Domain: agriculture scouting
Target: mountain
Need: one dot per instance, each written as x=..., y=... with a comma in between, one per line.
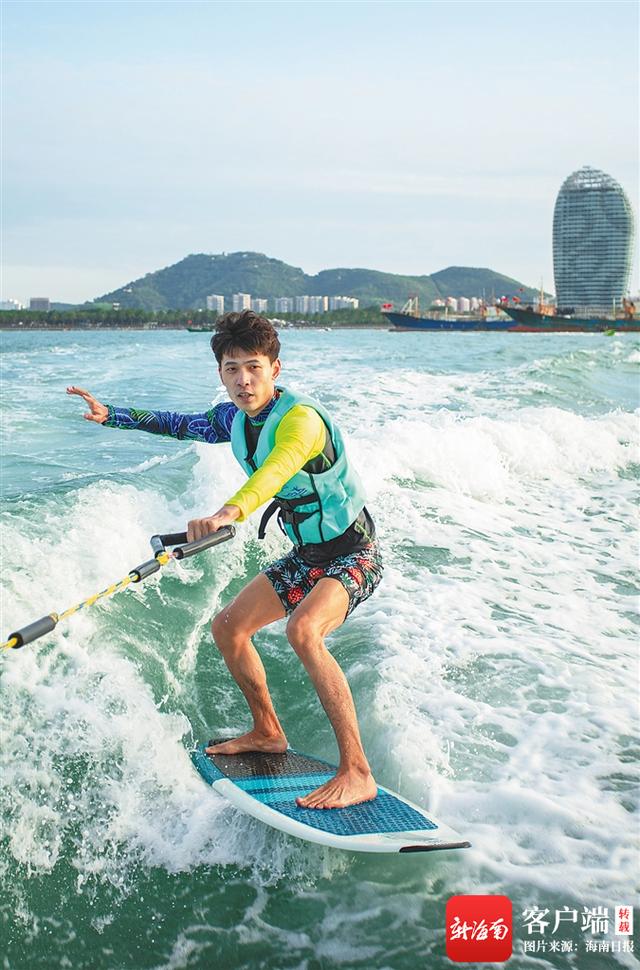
x=188, y=283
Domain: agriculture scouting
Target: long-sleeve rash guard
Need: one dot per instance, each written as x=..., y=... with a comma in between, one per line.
x=300, y=437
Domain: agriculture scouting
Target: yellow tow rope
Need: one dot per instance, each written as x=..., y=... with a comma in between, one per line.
x=133, y=577
x=47, y=623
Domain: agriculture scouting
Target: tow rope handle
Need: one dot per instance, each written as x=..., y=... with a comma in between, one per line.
x=159, y=543
x=183, y=549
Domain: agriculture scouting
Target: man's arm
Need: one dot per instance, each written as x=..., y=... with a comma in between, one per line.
x=300, y=436
x=213, y=426
x=208, y=426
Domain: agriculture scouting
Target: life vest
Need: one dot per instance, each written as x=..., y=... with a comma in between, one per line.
x=313, y=506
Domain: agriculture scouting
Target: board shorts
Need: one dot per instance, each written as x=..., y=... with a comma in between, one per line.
x=359, y=573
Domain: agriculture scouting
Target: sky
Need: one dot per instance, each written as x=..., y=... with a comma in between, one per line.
x=398, y=136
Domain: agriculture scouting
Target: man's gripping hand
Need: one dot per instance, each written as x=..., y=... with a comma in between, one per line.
x=199, y=528
x=97, y=412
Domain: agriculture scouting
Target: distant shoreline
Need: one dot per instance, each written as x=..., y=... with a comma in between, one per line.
x=106, y=318
x=141, y=327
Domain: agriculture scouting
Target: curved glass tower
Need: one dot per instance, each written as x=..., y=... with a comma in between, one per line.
x=592, y=241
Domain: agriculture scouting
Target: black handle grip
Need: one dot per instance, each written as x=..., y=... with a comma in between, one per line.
x=158, y=543
x=213, y=539
x=145, y=569
x=33, y=631
x=183, y=549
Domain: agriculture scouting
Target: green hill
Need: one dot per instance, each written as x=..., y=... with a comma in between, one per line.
x=372, y=286
x=474, y=281
x=188, y=283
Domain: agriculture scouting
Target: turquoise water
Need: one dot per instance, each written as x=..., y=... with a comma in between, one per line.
x=494, y=670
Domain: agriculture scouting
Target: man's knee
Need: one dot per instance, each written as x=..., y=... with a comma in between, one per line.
x=224, y=631
x=303, y=634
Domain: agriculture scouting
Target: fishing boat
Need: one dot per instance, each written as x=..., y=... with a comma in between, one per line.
x=512, y=318
x=550, y=319
x=409, y=318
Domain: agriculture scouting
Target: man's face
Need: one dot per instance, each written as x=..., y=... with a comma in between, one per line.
x=249, y=379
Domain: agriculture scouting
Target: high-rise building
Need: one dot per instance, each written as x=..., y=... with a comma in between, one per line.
x=215, y=302
x=284, y=304
x=241, y=301
x=10, y=305
x=343, y=303
x=40, y=303
x=259, y=305
x=318, y=304
x=592, y=241
x=302, y=304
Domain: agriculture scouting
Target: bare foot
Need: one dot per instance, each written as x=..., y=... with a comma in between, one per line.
x=251, y=741
x=345, y=788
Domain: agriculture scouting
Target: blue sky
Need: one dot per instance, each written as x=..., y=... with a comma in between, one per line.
x=399, y=136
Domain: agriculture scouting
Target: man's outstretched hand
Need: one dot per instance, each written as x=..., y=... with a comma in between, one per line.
x=97, y=412
x=199, y=528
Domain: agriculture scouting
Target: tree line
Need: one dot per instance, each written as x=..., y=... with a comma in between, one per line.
x=110, y=318
x=89, y=317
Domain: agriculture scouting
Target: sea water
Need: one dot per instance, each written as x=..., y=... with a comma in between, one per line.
x=494, y=670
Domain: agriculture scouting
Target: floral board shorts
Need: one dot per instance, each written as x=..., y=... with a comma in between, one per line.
x=359, y=572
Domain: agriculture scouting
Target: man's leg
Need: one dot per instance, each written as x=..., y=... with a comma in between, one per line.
x=254, y=607
x=322, y=611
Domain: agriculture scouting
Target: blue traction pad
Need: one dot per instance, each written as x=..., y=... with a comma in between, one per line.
x=385, y=813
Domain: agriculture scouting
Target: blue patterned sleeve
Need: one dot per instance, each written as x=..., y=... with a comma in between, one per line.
x=213, y=426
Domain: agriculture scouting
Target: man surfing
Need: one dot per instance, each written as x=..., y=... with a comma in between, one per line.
x=293, y=453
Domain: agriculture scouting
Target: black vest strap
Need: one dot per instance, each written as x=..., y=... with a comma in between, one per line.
x=286, y=509
x=270, y=510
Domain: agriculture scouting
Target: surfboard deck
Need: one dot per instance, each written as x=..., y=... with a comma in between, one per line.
x=266, y=785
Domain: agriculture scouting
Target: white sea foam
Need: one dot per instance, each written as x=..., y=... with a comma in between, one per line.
x=90, y=724
x=506, y=666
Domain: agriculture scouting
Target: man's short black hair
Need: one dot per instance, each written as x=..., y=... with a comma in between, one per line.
x=245, y=331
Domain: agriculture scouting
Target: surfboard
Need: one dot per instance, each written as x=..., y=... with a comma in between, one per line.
x=266, y=785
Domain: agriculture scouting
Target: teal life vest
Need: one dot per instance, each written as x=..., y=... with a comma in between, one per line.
x=313, y=506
